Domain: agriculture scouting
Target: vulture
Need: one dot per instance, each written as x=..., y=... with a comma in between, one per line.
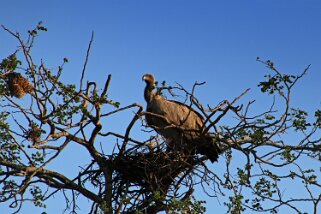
x=180, y=125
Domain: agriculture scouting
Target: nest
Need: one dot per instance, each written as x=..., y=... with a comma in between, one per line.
x=18, y=85
x=33, y=134
x=155, y=171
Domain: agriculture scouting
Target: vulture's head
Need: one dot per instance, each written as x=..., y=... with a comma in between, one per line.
x=149, y=79
x=150, y=85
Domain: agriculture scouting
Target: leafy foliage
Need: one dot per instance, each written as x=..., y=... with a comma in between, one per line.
x=129, y=175
x=10, y=63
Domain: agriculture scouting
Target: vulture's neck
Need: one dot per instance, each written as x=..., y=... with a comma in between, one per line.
x=148, y=93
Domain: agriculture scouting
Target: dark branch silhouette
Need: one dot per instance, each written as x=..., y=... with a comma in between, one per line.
x=41, y=116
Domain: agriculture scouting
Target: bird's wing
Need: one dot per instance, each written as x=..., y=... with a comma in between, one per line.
x=179, y=114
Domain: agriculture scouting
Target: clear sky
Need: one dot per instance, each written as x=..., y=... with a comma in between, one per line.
x=178, y=41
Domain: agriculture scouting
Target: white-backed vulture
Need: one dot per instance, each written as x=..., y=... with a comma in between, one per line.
x=178, y=123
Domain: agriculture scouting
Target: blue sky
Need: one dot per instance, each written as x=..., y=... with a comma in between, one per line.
x=178, y=41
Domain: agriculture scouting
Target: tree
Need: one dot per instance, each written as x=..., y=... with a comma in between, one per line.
x=41, y=116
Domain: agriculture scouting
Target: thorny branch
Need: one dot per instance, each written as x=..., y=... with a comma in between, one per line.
x=126, y=173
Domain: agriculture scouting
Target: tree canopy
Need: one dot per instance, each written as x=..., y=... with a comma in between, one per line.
x=262, y=152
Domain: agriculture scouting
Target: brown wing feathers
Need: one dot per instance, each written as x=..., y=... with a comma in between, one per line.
x=179, y=124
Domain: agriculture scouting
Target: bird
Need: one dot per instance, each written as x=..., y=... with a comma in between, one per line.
x=180, y=125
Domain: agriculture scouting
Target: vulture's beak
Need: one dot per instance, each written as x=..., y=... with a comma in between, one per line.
x=144, y=78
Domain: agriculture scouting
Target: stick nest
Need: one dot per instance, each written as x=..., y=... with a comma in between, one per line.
x=154, y=170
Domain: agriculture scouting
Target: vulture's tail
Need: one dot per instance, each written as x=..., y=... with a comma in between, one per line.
x=209, y=148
